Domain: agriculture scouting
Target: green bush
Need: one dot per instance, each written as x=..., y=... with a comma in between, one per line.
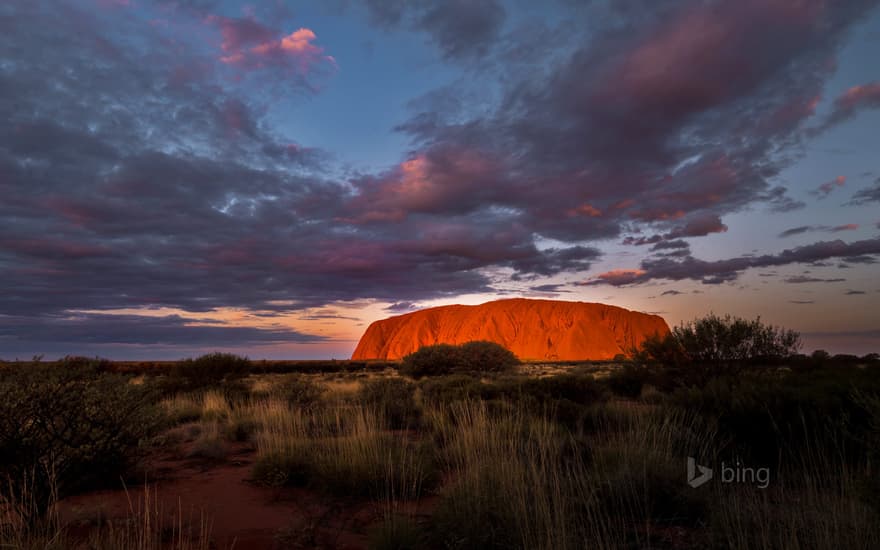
x=470, y=357
x=70, y=427
x=394, y=399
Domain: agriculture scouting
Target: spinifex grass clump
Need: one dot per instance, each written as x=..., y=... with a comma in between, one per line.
x=144, y=527
x=523, y=481
x=346, y=452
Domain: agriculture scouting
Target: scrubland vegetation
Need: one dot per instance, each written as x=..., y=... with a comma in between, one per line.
x=459, y=447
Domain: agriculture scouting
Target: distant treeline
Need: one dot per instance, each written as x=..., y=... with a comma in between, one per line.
x=257, y=366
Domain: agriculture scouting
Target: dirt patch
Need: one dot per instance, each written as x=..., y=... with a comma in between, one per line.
x=240, y=514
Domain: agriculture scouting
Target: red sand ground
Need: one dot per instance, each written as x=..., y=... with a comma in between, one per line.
x=242, y=515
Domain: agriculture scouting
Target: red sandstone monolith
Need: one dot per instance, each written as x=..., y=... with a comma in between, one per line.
x=548, y=330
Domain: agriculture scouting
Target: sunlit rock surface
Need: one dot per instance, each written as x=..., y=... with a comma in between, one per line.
x=532, y=329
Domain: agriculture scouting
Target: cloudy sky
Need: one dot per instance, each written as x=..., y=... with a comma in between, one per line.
x=180, y=176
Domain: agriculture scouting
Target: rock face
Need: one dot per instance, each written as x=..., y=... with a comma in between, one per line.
x=532, y=329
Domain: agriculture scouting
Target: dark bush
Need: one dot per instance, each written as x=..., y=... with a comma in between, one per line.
x=582, y=389
x=719, y=341
x=628, y=381
x=483, y=356
x=394, y=398
x=300, y=391
x=470, y=357
x=665, y=350
x=563, y=397
x=771, y=418
x=205, y=371
x=436, y=360
x=448, y=389
x=70, y=427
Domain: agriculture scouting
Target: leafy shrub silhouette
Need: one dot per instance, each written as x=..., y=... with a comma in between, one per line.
x=69, y=427
x=483, y=356
x=470, y=357
x=718, y=344
x=769, y=418
x=205, y=371
x=628, y=380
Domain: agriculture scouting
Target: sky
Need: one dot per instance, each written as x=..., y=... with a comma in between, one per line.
x=267, y=178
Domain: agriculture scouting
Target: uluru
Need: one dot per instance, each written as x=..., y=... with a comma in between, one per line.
x=551, y=330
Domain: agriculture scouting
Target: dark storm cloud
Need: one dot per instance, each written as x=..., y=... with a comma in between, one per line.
x=665, y=245
x=867, y=195
x=401, y=307
x=722, y=271
x=135, y=173
x=801, y=279
x=813, y=228
x=549, y=288
x=796, y=230
x=855, y=99
x=670, y=293
x=136, y=329
x=600, y=141
x=461, y=29
x=699, y=226
x=826, y=188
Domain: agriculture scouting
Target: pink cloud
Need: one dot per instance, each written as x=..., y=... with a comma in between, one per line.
x=845, y=227
x=250, y=45
x=865, y=96
x=585, y=210
x=240, y=33
x=440, y=181
x=706, y=55
x=826, y=188
x=858, y=96
x=616, y=277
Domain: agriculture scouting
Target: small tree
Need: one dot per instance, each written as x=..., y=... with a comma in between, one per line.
x=717, y=341
x=714, y=341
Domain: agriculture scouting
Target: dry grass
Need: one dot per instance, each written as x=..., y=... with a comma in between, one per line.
x=146, y=527
x=513, y=477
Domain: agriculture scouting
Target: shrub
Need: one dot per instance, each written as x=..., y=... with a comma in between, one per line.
x=582, y=389
x=771, y=419
x=666, y=350
x=299, y=390
x=205, y=371
x=73, y=426
x=448, y=389
x=483, y=356
x=714, y=340
x=628, y=381
x=470, y=357
x=435, y=360
x=393, y=398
